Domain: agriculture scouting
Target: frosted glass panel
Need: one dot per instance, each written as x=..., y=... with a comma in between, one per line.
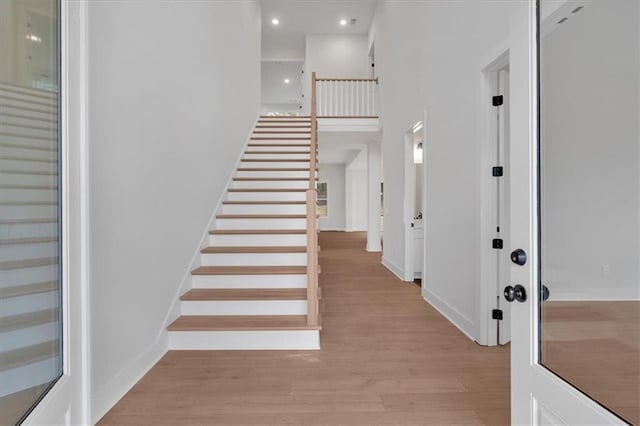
x=30, y=292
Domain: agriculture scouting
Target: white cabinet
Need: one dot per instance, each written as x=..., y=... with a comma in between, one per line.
x=418, y=247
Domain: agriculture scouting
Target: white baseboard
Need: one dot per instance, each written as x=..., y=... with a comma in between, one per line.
x=330, y=229
x=108, y=395
x=245, y=340
x=397, y=271
x=463, y=323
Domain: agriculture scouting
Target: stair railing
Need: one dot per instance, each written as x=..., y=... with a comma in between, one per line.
x=312, y=219
x=346, y=97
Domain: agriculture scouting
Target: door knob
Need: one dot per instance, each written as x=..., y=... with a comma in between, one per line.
x=517, y=292
x=519, y=257
x=544, y=293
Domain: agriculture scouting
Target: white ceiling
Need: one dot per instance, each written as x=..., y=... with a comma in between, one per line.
x=301, y=17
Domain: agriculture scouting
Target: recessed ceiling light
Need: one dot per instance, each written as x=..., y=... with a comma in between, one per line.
x=343, y=22
x=275, y=21
x=287, y=81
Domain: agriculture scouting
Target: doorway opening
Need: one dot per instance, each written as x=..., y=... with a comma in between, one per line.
x=414, y=207
x=495, y=311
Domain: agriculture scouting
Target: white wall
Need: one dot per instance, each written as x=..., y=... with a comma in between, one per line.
x=174, y=93
x=356, y=198
x=334, y=175
x=429, y=56
x=590, y=164
x=276, y=94
x=339, y=56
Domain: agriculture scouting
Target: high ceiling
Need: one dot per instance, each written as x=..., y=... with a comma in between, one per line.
x=286, y=41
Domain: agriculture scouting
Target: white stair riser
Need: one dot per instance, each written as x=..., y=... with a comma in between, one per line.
x=12, y=129
x=278, y=156
x=248, y=281
x=27, y=251
x=29, y=230
x=270, y=184
x=26, y=165
x=24, y=337
x=27, y=212
x=275, y=165
x=28, y=376
x=276, y=173
x=26, y=153
x=25, y=179
x=281, y=141
x=253, y=259
x=28, y=304
x=266, y=196
x=8, y=195
x=245, y=340
x=36, y=274
x=306, y=149
x=264, y=209
x=257, y=240
x=261, y=223
x=14, y=100
x=252, y=307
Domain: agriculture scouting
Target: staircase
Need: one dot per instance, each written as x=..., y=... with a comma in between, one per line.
x=29, y=273
x=251, y=290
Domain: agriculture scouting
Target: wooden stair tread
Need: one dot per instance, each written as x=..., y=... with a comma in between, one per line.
x=281, y=145
x=31, y=319
x=19, y=241
x=276, y=138
x=255, y=249
x=306, y=126
x=283, y=169
x=302, y=130
x=202, y=294
x=240, y=323
x=267, y=189
x=28, y=289
x=265, y=202
x=277, y=152
x=271, y=179
x=29, y=355
x=261, y=216
x=28, y=263
x=258, y=232
x=275, y=160
x=250, y=270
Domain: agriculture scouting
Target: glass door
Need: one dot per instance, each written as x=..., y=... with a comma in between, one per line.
x=589, y=202
x=30, y=205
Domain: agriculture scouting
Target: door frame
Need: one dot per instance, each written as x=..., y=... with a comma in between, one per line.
x=537, y=395
x=409, y=198
x=496, y=61
x=68, y=402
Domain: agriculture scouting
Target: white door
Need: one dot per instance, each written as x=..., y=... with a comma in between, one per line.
x=575, y=359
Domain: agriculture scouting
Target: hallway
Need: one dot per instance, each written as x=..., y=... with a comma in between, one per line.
x=387, y=358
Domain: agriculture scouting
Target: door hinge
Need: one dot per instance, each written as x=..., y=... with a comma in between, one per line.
x=496, y=314
x=498, y=243
x=498, y=100
x=497, y=171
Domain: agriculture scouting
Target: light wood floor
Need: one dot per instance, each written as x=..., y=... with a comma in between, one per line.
x=387, y=358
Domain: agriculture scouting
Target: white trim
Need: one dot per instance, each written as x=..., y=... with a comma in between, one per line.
x=397, y=271
x=68, y=402
x=464, y=324
x=331, y=228
x=498, y=59
x=107, y=396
